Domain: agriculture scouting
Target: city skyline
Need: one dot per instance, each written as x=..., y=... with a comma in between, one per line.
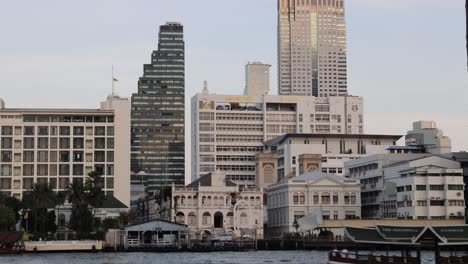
x=404, y=71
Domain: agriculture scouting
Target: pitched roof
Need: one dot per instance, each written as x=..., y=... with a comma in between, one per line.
x=282, y=138
x=110, y=201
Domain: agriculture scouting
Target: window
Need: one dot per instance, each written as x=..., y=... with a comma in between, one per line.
x=43, y=131
x=295, y=198
x=42, y=170
x=5, y=170
x=100, y=131
x=77, y=156
x=316, y=198
x=99, y=156
x=64, y=170
x=6, y=156
x=7, y=143
x=110, y=130
x=99, y=143
x=28, y=170
x=64, y=156
x=64, y=130
x=64, y=143
x=42, y=156
x=325, y=198
x=110, y=156
x=78, y=143
x=28, y=143
x=110, y=183
x=78, y=169
x=42, y=143
x=110, y=143
x=452, y=187
x=335, y=198
x=28, y=130
x=110, y=169
x=436, y=187
x=28, y=156
x=420, y=187
x=78, y=131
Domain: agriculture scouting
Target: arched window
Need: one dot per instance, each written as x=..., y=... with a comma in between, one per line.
x=230, y=219
x=295, y=198
x=252, y=201
x=243, y=219
x=258, y=201
x=218, y=220
x=316, y=198
x=325, y=198
x=215, y=201
x=210, y=201
x=206, y=219
x=347, y=198
x=192, y=219
x=335, y=198
x=180, y=218
x=189, y=201
x=182, y=200
x=301, y=198
x=203, y=200
x=176, y=200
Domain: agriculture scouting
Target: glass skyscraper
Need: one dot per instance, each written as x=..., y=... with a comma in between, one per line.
x=312, y=48
x=158, y=140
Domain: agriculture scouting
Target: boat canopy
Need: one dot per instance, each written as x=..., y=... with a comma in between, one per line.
x=409, y=235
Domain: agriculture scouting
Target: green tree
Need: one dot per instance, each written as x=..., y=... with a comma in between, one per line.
x=127, y=218
x=41, y=198
x=13, y=203
x=7, y=218
x=84, y=199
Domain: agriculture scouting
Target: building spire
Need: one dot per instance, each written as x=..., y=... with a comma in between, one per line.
x=205, y=87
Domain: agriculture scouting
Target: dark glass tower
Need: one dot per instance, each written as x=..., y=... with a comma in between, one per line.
x=158, y=140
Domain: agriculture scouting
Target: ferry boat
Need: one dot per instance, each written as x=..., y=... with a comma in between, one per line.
x=11, y=242
x=343, y=257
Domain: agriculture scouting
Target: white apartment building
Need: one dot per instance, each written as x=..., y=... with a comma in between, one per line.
x=312, y=48
x=213, y=206
x=332, y=150
x=409, y=186
x=61, y=146
x=257, y=79
x=228, y=131
x=332, y=196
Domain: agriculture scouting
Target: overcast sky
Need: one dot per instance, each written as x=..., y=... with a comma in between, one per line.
x=405, y=57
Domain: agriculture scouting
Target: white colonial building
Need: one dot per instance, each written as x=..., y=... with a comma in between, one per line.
x=328, y=195
x=213, y=206
x=409, y=186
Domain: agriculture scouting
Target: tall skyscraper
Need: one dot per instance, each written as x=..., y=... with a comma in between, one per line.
x=158, y=140
x=257, y=79
x=312, y=48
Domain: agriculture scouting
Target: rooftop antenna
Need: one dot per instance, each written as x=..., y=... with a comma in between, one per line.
x=205, y=87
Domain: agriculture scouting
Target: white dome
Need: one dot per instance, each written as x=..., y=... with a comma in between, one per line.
x=2, y=104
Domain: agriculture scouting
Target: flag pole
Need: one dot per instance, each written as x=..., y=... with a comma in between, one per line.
x=112, y=80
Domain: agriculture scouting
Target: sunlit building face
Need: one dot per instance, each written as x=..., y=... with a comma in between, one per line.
x=312, y=48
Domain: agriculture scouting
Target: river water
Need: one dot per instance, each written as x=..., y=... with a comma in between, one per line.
x=309, y=257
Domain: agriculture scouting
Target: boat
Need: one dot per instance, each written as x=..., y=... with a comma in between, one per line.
x=11, y=242
x=344, y=257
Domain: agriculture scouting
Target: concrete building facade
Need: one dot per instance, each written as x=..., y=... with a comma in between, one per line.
x=312, y=48
x=213, y=206
x=409, y=186
x=228, y=131
x=327, y=195
x=61, y=146
x=300, y=153
x=426, y=136
x=257, y=79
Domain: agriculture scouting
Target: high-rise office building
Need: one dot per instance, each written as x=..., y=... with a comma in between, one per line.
x=229, y=130
x=158, y=139
x=257, y=79
x=312, y=48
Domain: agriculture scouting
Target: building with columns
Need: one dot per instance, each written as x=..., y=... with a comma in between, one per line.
x=213, y=206
x=328, y=195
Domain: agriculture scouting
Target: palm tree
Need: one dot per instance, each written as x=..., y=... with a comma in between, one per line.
x=41, y=197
